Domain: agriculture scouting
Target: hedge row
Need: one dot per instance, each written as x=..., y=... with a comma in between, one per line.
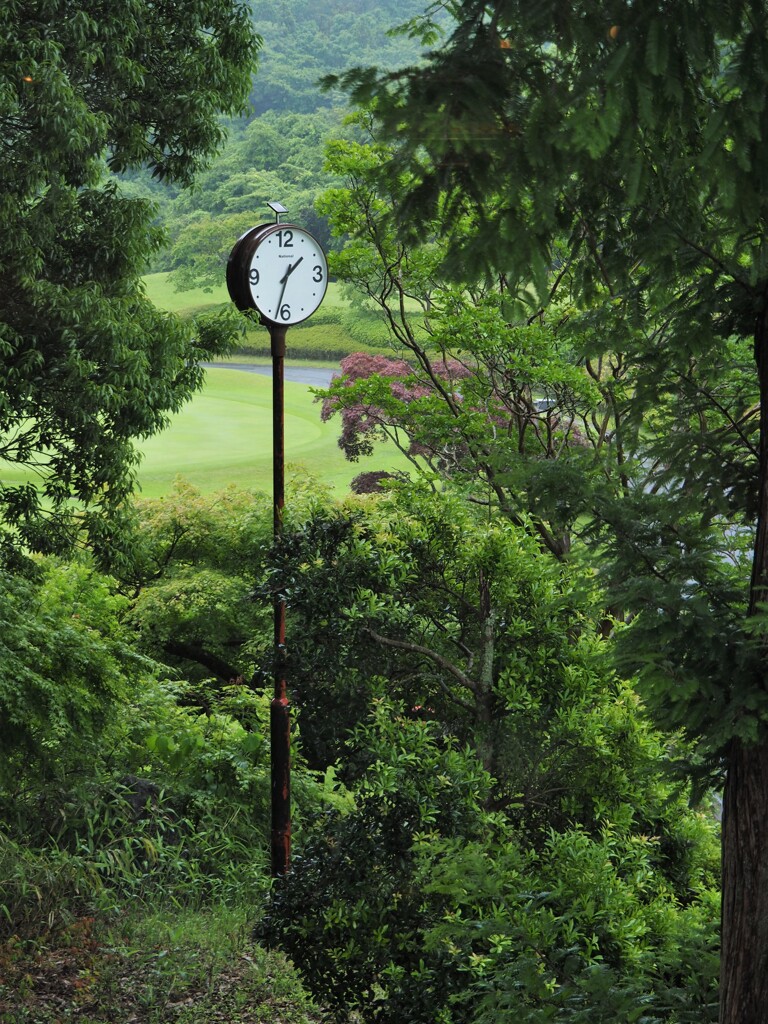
x=330, y=335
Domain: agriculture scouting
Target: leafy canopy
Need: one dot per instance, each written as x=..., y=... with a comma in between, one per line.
x=86, y=363
x=606, y=163
x=559, y=124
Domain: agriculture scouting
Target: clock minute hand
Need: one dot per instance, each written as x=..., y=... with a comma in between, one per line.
x=284, y=281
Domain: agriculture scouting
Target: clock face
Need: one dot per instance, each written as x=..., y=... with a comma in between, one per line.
x=286, y=273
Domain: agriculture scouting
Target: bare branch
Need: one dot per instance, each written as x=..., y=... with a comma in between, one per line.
x=437, y=659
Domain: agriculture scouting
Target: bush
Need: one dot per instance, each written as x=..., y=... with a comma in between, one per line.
x=586, y=930
x=113, y=782
x=41, y=890
x=420, y=905
x=352, y=914
x=172, y=806
x=65, y=664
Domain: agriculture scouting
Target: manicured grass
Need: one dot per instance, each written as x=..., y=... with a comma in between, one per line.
x=162, y=293
x=224, y=436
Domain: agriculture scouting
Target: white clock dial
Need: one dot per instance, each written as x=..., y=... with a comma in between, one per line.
x=287, y=274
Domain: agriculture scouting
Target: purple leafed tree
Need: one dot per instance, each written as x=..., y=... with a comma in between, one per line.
x=378, y=412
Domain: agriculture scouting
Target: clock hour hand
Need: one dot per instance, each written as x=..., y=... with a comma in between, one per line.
x=290, y=270
x=284, y=281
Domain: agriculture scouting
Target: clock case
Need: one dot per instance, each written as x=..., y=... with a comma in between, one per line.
x=239, y=265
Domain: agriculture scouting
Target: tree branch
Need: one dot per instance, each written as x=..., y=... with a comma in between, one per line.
x=198, y=654
x=437, y=659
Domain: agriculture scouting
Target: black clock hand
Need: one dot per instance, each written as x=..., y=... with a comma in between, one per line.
x=284, y=281
x=290, y=270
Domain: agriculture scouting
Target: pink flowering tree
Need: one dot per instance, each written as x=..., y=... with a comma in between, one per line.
x=384, y=398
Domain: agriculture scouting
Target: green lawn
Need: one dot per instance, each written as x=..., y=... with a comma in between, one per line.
x=224, y=436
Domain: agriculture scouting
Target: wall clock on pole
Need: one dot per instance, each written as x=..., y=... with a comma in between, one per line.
x=279, y=270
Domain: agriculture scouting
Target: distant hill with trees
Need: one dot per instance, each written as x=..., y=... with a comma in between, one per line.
x=305, y=40
x=276, y=149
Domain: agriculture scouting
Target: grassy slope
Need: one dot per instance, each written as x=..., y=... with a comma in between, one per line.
x=225, y=436
x=160, y=290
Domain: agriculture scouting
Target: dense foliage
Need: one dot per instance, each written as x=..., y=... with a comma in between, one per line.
x=87, y=364
x=118, y=779
x=111, y=784
x=571, y=878
x=616, y=158
x=421, y=903
x=194, y=562
x=486, y=821
x=514, y=837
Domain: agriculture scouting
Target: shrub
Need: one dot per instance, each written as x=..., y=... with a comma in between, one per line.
x=113, y=782
x=171, y=806
x=65, y=664
x=352, y=914
x=420, y=905
x=41, y=890
x=372, y=482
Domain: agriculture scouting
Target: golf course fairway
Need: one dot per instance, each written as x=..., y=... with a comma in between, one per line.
x=224, y=436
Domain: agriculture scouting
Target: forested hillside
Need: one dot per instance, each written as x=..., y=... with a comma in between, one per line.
x=304, y=41
x=277, y=149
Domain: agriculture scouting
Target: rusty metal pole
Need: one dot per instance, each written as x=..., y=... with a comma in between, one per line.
x=280, y=720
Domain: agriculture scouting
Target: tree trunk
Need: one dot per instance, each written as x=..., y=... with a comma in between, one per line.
x=744, y=918
x=484, y=693
x=744, y=965
x=758, y=592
